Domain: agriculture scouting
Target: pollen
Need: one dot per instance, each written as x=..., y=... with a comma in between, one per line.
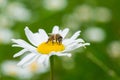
x=46, y=48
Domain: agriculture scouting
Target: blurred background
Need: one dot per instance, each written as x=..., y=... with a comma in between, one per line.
x=99, y=21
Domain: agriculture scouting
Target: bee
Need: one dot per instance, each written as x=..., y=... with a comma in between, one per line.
x=55, y=38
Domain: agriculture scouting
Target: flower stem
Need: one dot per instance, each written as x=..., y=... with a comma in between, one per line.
x=51, y=67
x=108, y=70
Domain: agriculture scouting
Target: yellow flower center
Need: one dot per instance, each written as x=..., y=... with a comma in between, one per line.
x=46, y=48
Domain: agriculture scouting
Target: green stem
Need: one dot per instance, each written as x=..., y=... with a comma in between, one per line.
x=103, y=66
x=51, y=67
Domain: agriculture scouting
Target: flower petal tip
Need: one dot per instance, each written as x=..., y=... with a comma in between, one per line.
x=87, y=43
x=14, y=56
x=56, y=26
x=13, y=45
x=13, y=40
x=79, y=31
x=26, y=28
x=69, y=55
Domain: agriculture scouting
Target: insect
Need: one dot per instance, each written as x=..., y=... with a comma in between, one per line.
x=55, y=38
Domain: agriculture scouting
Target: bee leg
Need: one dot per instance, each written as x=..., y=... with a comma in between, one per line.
x=52, y=41
x=48, y=40
x=56, y=41
x=59, y=42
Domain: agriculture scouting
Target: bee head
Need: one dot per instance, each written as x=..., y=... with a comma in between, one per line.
x=60, y=39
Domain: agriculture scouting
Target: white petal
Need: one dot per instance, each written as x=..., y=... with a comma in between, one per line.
x=26, y=59
x=67, y=42
x=79, y=40
x=38, y=38
x=20, y=53
x=42, y=58
x=23, y=44
x=55, y=30
x=71, y=46
x=32, y=60
x=43, y=35
x=60, y=32
x=75, y=47
x=82, y=45
x=64, y=54
x=31, y=37
x=64, y=32
x=46, y=62
x=75, y=35
x=16, y=45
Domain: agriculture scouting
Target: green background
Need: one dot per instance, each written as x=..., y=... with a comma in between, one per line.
x=93, y=63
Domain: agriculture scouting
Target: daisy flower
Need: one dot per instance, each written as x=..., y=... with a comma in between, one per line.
x=9, y=68
x=43, y=46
